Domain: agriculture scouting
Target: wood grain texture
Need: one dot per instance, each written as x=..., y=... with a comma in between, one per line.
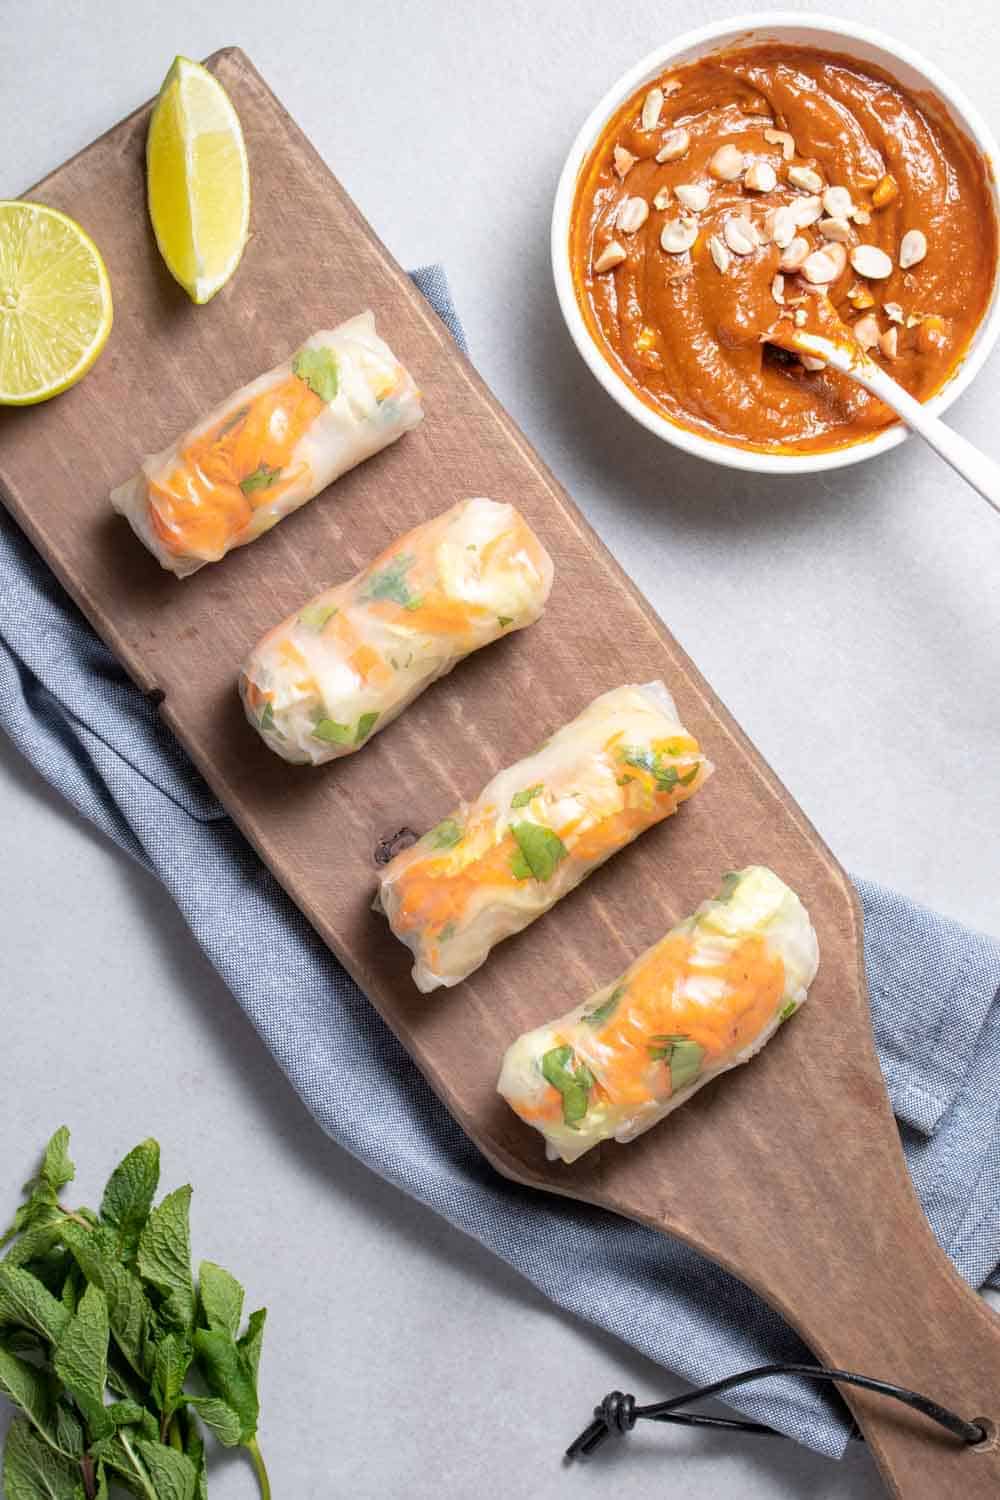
x=802, y=1190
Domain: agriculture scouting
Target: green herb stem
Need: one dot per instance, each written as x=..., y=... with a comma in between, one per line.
x=260, y=1469
x=137, y=1464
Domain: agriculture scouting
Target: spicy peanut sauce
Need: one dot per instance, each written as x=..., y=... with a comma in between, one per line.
x=686, y=331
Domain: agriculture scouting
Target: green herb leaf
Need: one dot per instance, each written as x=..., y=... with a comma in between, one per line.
x=250, y=1343
x=129, y=1196
x=366, y=724
x=28, y=1387
x=446, y=834
x=171, y=1360
x=574, y=1087
x=129, y=1309
x=317, y=616
x=126, y=1413
x=34, y=1471
x=606, y=1011
x=685, y=1064
x=195, y=1450
x=220, y=1418
x=67, y=1430
x=542, y=849
x=228, y=1375
x=504, y=620
x=521, y=799
x=333, y=733
x=221, y=1298
x=519, y=866
x=447, y=931
x=390, y=582
x=26, y=1303
x=266, y=720
x=788, y=1010
x=667, y=776
x=165, y=1258
x=262, y=478
x=102, y=1492
x=318, y=368
x=81, y=1360
x=173, y=1474
x=35, y=1241
x=43, y=1189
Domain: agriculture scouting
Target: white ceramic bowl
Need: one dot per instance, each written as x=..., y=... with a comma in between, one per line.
x=807, y=30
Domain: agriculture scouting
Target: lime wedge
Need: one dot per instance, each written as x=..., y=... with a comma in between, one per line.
x=55, y=303
x=198, y=180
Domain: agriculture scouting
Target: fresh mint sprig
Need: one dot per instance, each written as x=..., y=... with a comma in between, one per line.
x=101, y=1324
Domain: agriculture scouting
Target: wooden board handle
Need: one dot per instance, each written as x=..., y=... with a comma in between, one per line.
x=905, y=1315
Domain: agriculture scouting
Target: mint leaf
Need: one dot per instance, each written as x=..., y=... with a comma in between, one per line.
x=195, y=1450
x=26, y=1303
x=606, y=1011
x=666, y=776
x=67, y=1430
x=102, y=1492
x=250, y=1343
x=575, y=1086
x=221, y=1298
x=129, y=1309
x=266, y=720
x=126, y=1413
x=366, y=724
x=519, y=865
x=35, y=1241
x=165, y=1257
x=390, y=582
x=173, y=1474
x=228, y=1375
x=521, y=799
x=129, y=1196
x=81, y=1360
x=43, y=1189
x=171, y=1360
x=220, y=1418
x=788, y=1010
x=34, y=1471
x=56, y=1169
x=316, y=616
x=445, y=835
x=318, y=368
x=27, y=1386
x=541, y=848
x=504, y=620
x=262, y=478
x=683, y=1057
x=333, y=733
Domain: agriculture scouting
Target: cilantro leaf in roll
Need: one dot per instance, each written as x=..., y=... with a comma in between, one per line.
x=339, y=669
x=537, y=829
x=702, y=1000
x=271, y=447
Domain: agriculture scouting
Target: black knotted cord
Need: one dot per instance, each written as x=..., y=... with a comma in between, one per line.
x=618, y=1412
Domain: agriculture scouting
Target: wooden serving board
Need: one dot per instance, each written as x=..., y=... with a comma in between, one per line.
x=789, y=1172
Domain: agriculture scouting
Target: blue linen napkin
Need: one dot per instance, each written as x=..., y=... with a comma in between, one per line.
x=72, y=711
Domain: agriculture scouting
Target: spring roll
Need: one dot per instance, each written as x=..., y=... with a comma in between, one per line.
x=271, y=447
x=341, y=668
x=538, y=829
x=702, y=1000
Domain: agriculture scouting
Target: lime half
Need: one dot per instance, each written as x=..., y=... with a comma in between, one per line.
x=55, y=303
x=198, y=180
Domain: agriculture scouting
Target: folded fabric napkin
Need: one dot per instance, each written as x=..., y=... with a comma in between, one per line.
x=69, y=707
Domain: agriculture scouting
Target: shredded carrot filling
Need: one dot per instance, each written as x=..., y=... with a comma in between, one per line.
x=227, y=473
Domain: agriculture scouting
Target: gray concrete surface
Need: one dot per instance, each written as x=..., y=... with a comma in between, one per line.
x=851, y=624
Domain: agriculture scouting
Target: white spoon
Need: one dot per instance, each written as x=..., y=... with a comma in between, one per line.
x=851, y=360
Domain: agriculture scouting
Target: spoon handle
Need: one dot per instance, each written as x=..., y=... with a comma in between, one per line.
x=981, y=472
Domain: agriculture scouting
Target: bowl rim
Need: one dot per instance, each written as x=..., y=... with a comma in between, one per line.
x=736, y=29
